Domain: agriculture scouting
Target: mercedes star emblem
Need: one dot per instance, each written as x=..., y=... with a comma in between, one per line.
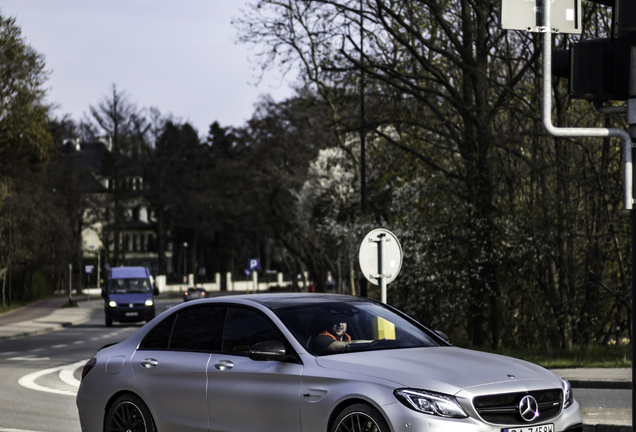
x=529, y=408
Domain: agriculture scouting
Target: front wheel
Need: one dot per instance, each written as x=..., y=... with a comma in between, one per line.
x=360, y=418
x=129, y=414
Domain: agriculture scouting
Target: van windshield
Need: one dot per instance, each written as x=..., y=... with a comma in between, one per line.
x=131, y=285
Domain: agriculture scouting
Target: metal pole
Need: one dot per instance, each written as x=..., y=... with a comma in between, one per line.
x=631, y=119
x=185, y=266
x=381, y=274
x=194, y=246
x=579, y=132
x=99, y=258
x=10, y=257
x=70, y=282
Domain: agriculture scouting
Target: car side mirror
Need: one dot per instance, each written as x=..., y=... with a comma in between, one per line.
x=267, y=351
x=442, y=335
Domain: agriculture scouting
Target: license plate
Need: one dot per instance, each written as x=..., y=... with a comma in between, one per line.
x=136, y=313
x=538, y=428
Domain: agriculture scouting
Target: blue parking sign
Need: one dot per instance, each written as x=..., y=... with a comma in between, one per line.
x=254, y=264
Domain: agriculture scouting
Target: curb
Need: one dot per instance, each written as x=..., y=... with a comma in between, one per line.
x=604, y=385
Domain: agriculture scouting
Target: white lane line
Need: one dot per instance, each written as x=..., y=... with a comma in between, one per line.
x=66, y=374
x=28, y=358
x=28, y=381
x=15, y=430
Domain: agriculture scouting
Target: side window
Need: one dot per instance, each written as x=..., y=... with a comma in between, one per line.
x=159, y=337
x=244, y=328
x=198, y=328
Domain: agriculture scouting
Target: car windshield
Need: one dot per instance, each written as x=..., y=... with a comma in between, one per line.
x=130, y=285
x=369, y=326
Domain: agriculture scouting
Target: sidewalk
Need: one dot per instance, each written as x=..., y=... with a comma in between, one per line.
x=44, y=316
x=48, y=315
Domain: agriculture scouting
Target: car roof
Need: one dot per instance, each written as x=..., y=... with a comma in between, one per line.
x=281, y=300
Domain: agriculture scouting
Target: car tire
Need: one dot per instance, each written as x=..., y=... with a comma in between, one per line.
x=129, y=413
x=360, y=418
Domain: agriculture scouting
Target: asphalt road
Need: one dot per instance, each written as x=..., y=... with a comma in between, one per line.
x=594, y=398
x=40, y=374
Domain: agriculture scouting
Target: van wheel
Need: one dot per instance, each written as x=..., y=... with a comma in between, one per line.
x=109, y=321
x=360, y=418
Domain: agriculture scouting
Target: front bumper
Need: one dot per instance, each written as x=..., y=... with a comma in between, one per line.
x=403, y=419
x=130, y=314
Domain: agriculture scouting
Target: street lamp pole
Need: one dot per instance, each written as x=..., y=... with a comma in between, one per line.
x=194, y=241
x=185, y=266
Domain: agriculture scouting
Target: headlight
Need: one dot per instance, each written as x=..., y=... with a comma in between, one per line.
x=112, y=303
x=431, y=403
x=149, y=302
x=568, y=396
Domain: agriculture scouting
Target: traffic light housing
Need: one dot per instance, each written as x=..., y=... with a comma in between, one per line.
x=598, y=69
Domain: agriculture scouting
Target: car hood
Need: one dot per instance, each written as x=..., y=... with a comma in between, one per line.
x=130, y=297
x=444, y=369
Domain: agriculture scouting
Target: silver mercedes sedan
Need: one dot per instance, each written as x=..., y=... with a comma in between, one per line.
x=311, y=363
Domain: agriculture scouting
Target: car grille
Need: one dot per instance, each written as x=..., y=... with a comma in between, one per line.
x=504, y=408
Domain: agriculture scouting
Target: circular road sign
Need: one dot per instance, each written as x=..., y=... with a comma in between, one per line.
x=392, y=256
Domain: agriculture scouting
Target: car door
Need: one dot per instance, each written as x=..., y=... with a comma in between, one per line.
x=171, y=367
x=248, y=395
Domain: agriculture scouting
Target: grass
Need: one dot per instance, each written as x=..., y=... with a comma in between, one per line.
x=597, y=356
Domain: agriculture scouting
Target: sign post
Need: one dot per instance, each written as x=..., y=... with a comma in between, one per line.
x=254, y=265
x=380, y=258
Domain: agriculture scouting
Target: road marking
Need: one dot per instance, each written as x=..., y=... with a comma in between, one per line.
x=15, y=430
x=65, y=374
x=29, y=358
x=60, y=346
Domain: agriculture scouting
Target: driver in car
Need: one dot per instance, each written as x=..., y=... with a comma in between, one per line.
x=333, y=339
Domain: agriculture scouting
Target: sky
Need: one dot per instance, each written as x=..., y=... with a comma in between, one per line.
x=179, y=56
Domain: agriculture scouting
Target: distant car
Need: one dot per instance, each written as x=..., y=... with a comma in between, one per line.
x=194, y=293
x=311, y=363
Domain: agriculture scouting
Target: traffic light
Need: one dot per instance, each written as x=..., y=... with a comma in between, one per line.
x=598, y=69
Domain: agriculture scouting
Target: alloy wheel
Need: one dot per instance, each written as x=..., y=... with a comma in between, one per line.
x=127, y=417
x=358, y=422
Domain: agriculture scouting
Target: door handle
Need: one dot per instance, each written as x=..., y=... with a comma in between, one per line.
x=149, y=363
x=224, y=365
